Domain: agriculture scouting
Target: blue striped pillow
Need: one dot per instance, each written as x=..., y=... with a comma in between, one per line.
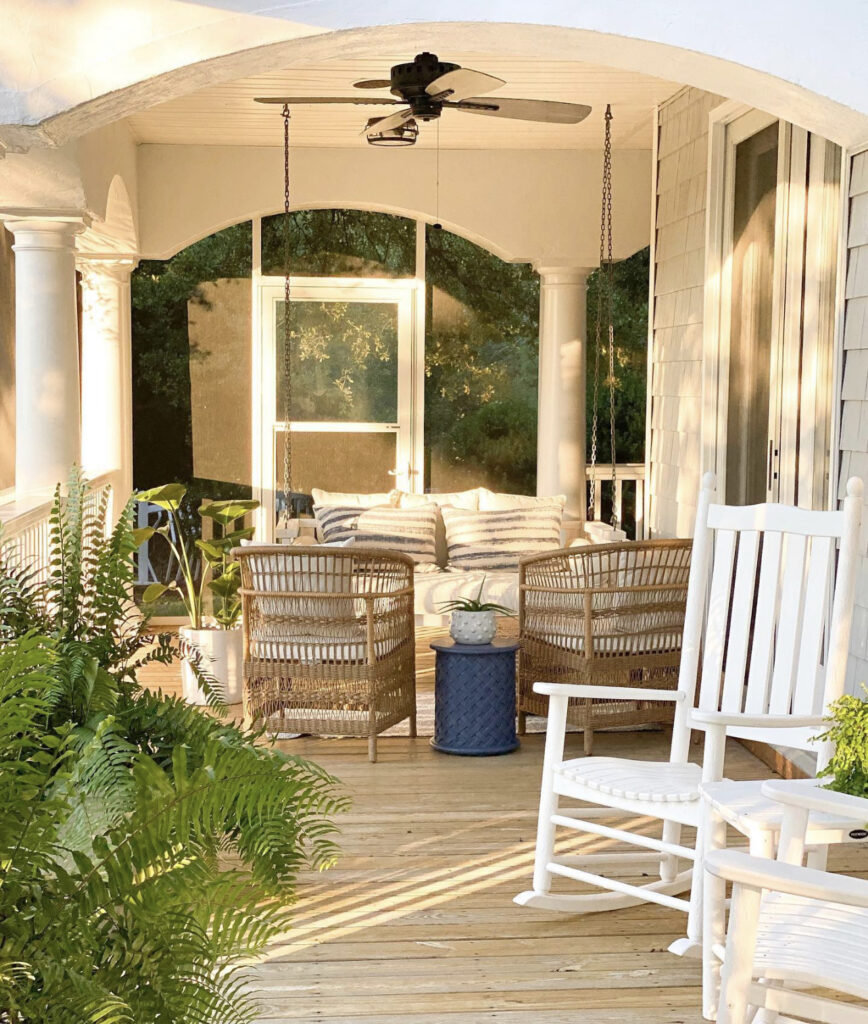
x=410, y=530
x=497, y=540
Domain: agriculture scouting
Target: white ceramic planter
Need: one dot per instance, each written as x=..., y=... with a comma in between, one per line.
x=473, y=627
x=221, y=651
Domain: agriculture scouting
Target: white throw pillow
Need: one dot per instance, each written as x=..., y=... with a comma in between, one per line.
x=494, y=501
x=321, y=497
x=409, y=530
x=457, y=499
x=496, y=540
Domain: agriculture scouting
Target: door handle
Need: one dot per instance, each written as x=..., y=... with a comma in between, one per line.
x=771, y=474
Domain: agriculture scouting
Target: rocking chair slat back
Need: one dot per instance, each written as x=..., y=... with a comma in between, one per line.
x=718, y=613
x=787, y=631
x=768, y=613
x=767, y=599
x=740, y=619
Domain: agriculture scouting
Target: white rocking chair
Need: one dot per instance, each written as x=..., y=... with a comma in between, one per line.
x=764, y=606
x=793, y=928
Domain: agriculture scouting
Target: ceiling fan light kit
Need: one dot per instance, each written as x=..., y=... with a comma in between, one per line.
x=400, y=135
x=425, y=87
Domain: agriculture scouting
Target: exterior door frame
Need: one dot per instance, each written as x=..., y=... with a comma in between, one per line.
x=723, y=137
x=405, y=294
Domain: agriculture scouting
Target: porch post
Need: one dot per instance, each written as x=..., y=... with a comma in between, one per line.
x=47, y=399
x=106, y=370
x=561, y=412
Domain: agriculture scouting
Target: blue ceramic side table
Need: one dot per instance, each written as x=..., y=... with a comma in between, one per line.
x=474, y=698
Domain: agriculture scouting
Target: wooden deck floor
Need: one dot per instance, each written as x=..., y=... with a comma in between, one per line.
x=416, y=924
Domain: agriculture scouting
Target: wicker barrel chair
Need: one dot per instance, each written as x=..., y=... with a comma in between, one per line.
x=329, y=643
x=606, y=614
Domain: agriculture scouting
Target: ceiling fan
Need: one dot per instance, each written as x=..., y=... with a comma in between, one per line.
x=426, y=86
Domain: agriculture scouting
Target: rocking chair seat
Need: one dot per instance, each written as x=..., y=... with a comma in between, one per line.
x=811, y=942
x=657, y=782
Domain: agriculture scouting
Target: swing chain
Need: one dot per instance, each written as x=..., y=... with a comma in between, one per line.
x=286, y=513
x=605, y=298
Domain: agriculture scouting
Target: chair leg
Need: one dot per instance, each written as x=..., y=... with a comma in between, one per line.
x=413, y=732
x=521, y=728
x=372, y=748
x=669, y=863
x=588, y=740
x=740, y=949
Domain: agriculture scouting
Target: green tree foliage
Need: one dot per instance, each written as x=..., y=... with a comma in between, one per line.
x=630, y=317
x=481, y=354
x=146, y=847
x=161, y=293
x=340, y=243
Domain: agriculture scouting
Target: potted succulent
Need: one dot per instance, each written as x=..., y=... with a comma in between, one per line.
x=473, y=620
x=205, y=567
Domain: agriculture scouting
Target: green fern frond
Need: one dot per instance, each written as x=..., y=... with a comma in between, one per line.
x=148, y=850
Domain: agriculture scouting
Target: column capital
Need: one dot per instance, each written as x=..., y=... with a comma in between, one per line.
x=554, y=274
x=44, y=230
x=99, y=267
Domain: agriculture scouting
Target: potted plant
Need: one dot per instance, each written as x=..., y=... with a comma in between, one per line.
x=847, y=770
x=205, y=566
x=473, y=620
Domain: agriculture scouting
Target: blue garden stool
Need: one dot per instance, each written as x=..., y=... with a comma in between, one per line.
x=474, y=698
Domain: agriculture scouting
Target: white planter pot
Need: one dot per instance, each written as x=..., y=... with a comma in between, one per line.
x=221, y=652
x=473, y=627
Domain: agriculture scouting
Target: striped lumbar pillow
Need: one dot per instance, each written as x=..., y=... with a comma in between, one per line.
x=497, y=540
x=410, y=530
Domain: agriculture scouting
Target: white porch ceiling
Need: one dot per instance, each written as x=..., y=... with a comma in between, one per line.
x=226, y=115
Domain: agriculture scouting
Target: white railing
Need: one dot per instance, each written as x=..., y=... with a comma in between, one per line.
x=25, y=528
x=633, y=475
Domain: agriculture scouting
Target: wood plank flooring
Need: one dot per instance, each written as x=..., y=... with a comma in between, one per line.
x=416, y=924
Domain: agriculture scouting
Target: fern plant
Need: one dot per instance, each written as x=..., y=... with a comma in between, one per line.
x=848, y=767
x=147, y=848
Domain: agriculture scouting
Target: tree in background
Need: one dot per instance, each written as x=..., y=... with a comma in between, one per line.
x=481, y=354
x=630, y=307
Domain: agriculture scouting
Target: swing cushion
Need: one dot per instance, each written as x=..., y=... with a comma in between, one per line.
x=409, y=530
x=494, y=501
x=321, y=497
x=497, y=540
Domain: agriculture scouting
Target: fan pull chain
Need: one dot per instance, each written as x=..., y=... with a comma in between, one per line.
x=605, y=299
x=286, y=513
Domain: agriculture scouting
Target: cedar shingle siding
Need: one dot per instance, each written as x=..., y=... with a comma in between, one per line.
x=679, y=271
x=854, y=398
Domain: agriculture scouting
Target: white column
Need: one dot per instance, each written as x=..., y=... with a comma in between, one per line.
x=561, y=415
x=47, y=399
x=106, y=370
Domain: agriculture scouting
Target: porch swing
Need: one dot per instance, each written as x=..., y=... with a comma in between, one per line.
x=611, y=613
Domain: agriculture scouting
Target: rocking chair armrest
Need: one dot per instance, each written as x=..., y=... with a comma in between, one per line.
x=760, y=873
x=738, y=719
x=811, y=795
x=589, y=692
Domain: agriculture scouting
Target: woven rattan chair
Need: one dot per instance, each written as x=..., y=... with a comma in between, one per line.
x=603, y=614
x=329, y=644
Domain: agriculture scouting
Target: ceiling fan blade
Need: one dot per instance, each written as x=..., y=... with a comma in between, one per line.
x=373, y=83
x=461, y=83
x=299, y=100
x=400, y=117
x=550, y=111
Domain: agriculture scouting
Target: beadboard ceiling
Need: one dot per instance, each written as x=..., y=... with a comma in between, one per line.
x=226, y=114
